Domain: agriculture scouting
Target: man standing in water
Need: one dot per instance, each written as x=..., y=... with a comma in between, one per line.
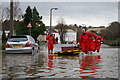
x=51, y=41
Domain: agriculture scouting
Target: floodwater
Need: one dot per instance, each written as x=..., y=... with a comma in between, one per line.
x=46, y=65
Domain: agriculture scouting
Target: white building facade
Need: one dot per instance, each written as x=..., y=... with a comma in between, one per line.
x=69, y=36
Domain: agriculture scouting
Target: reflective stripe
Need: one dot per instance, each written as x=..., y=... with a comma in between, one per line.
x=61, y=51
x=76, y=52
x=85, y=37
x=55, y=52
x=69, y=51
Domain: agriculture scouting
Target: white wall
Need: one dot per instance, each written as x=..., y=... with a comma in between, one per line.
x=57, y=35
x=70, y=36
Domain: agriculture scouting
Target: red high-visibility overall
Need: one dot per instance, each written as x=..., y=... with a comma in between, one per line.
x=51, y=41
x=84, y=42
x=98, y=43
x=91, y=40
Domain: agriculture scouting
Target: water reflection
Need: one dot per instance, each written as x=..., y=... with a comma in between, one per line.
x=48, y=65
x=14, y=63
x=89, y=65
x=37, y=66
x=50, y=59
x=18, y=65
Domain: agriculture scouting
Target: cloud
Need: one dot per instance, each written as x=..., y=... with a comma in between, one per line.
x=90, y=13
x=64, y=0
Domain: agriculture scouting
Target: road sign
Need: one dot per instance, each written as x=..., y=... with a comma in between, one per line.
x=29, y=25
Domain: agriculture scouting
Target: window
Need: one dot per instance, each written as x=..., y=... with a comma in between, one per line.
x=31, y=39
x=17, y=38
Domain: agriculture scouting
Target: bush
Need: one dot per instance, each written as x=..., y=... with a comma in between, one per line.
x=111, y=34
x=42, y=43
x=2, y=46
x=115, y=42
x=4, y=37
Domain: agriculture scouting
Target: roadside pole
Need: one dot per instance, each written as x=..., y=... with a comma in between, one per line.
x=29, y=26
x=30, y=31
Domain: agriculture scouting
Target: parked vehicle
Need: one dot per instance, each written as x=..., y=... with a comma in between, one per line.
x=21, y=44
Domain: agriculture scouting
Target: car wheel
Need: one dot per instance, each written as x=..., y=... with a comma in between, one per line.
x=38, y=48
x=38, y=51
x=32, y=51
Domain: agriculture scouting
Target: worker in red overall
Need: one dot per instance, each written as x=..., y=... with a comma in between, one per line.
x=50, y=43
x=98, y=43
x=84, y=41
x=91, y=40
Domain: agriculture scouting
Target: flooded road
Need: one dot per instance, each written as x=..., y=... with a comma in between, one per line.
x=46, y=65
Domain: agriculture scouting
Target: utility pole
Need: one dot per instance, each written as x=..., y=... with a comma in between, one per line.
x=1, y=15
x=11, y=18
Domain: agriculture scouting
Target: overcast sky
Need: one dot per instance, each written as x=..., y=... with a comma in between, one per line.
x=89, y=13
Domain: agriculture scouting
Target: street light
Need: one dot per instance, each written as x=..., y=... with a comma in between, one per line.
x=51, y=17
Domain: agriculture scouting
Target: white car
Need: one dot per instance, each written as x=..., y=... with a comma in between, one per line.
x=21, y=44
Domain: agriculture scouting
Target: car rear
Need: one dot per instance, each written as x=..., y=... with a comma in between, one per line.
x=18, y=44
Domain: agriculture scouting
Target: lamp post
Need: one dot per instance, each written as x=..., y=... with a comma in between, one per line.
x=51, y=17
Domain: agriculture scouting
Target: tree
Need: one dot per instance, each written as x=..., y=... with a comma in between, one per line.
x=6, y=24
x=12, y=12
x=36, y=19
x=17, y=14
x=28, y=15
x=38, y=27
x=22, y=29
x=61, y=29
x=3, y=37
x=17, y=11
x=112, y=34
x=80, y=26
x=112, y=31
x=38, y=30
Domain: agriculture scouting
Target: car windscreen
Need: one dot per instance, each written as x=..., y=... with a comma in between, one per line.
x=17, y=38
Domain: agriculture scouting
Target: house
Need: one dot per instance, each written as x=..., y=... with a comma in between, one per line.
x=71, y=33
x=69, y=36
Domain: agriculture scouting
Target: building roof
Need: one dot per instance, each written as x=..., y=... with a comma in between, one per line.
x=95, y=29
x=68, y=30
